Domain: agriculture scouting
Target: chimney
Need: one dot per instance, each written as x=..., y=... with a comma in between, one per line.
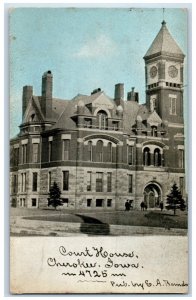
x=26, y=96
x=95, y=91
x=132, y=96
x=46, y=101
x=119, y=93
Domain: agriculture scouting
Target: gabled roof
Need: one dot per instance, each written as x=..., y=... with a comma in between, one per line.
x=164, y=44
x=154, y=119
x=65, y=120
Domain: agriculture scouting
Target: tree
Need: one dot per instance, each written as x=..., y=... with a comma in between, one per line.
x=175, y=200
x=55, y=196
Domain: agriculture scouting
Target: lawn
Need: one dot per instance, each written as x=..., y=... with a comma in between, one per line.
x=156, y=218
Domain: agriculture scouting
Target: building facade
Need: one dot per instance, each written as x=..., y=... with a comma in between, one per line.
x=103, y=151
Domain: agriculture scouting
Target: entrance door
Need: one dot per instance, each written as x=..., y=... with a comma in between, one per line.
x=151, y=199
x=152, y=195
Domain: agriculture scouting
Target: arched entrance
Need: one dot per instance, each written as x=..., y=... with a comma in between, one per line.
x=152, y=195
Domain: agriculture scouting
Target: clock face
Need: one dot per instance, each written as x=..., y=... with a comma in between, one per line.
x=153, y=72
x=172, y=71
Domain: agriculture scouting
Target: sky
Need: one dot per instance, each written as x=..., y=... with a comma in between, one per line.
x=85, y=49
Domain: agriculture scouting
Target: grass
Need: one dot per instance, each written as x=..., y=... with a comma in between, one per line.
x=164, y=219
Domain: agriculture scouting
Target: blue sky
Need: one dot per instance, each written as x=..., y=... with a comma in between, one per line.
x=85, y=49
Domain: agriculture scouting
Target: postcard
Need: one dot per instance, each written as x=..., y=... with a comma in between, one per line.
x=98, y=150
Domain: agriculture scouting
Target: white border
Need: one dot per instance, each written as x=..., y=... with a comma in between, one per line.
x=4, y=126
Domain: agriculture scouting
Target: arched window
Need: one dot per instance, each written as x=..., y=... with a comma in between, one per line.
x=146, y=156
x=157, y=157
x=109, y=152
x=99, y=151
x=90, y=151
x=154, y=131
x=102, y=119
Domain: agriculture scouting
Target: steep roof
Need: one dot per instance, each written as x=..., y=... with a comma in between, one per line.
x=131, y=109
x=58, y=106
x=164, y=44
x=65, y=120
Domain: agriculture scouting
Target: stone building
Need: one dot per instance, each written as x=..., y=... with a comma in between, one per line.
x=103, y=151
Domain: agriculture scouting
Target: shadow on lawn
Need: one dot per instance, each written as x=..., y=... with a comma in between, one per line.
x=93, y=226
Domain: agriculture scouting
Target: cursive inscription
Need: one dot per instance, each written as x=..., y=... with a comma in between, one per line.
x=146, y=284
x=97, y=264
x=93, y=263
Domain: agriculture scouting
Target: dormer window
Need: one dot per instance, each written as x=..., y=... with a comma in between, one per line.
x=32, y=118
x=88, y=123
x=115, y=125
x=154, y=131
x=102, y=119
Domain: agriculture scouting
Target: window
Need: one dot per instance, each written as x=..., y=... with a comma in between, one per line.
x=65, y=201
x=130, y=155
x=181, y=184
x=181, y=158
x=34, y=202
x=49, y=180
x=36, y=128
x=153, y=104
x=34, y=185
x=102, y=120
x=88, y=123
x=109, y=152
x=157, y=157
x=35, y=152
x=109, y=182
x=65, y=180
x=109, y=202
x=88, y=202
x=154, y=131
x=50, y=151
x=99, y=202
x=172, y=105
x=146, y=157
x=32, y=118
x=16, y=156
x=14, y=203
x=99, y=151
x=22, y=202
x=23, y=182
x=99, y=182
x=66, y=149
x=130, y=183
x=15, y=184
x=90, y=153
x=115, y=125
x=89, y=181
x=24, y=154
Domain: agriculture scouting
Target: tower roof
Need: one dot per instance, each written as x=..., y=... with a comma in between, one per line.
x=164, y=44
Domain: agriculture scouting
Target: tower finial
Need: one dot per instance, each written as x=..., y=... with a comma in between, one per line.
x=163, y=23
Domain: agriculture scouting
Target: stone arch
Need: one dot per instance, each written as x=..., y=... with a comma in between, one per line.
x=102, y=137
x=100, y=108
x=152, y=194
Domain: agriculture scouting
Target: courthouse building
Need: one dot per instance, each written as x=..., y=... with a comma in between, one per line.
x=103, y=151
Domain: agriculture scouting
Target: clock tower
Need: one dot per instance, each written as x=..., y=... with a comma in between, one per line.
x=164, y=77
